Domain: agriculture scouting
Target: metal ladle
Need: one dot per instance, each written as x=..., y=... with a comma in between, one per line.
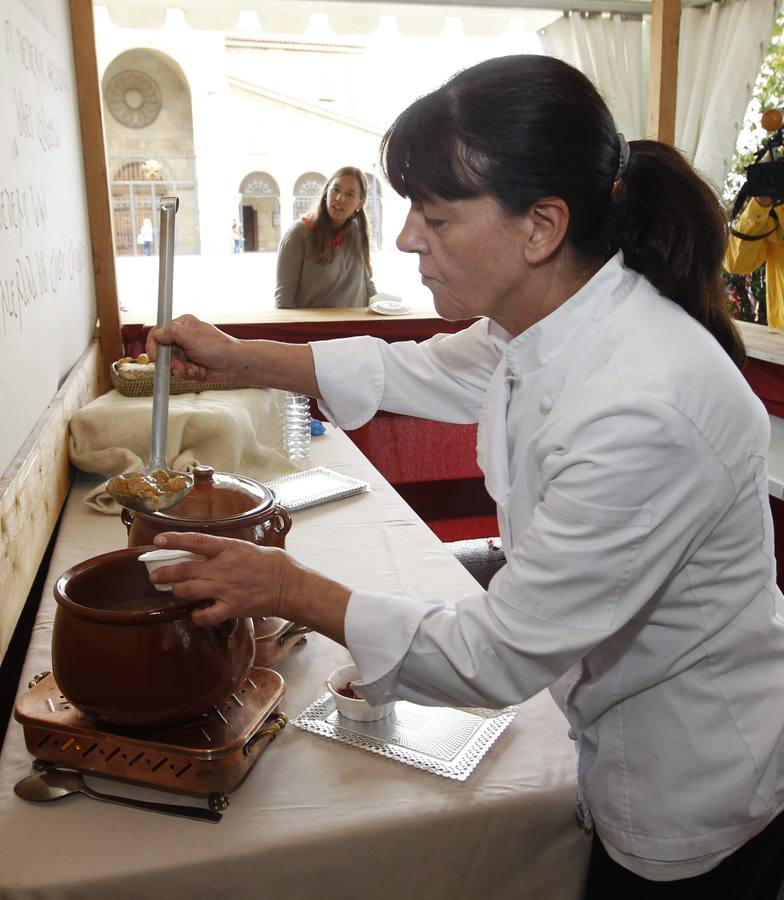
x=54, y=784
x=145, y=491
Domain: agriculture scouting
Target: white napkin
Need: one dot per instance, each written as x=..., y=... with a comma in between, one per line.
x=235, y=431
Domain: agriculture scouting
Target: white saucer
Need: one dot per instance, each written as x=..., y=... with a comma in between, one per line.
x=387, y=305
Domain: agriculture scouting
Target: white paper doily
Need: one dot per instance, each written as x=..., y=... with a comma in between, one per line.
x=438, y=739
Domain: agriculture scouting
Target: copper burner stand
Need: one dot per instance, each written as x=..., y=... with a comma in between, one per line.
x=206, y=758
x=276, y=637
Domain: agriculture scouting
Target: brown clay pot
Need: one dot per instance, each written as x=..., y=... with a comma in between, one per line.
x=219, y=504
x=143, y=666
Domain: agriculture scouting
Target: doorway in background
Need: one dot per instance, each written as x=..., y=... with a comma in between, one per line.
x=260, y=212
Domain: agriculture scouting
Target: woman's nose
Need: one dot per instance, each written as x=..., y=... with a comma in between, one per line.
x=410, y=240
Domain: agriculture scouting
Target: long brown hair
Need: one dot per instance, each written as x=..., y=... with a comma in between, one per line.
x=321, y=233
x=521, y=128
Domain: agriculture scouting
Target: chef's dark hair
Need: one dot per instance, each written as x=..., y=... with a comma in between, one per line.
x=522, y=128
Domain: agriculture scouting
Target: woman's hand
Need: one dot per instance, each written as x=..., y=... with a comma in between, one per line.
x=243, y=579
x=200, y=351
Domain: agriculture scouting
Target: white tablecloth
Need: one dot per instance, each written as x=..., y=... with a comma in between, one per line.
x=314, y=818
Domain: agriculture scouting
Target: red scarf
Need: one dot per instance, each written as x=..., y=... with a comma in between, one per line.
x=338, y=238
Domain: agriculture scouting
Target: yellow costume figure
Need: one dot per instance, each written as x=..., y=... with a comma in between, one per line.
x=743, y=256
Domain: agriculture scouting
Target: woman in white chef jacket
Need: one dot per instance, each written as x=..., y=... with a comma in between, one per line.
x=624, y=449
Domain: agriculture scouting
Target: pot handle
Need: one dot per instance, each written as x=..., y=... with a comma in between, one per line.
x=281, y=524
x=293, y=630
x=227, y=627
x=127, y=518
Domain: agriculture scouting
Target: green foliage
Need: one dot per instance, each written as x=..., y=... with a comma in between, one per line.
x=746, y=296
x=768, y=92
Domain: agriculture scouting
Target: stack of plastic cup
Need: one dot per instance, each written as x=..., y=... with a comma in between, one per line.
x=296, y=426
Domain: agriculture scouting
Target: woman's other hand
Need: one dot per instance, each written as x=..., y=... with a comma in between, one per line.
x=243, y=579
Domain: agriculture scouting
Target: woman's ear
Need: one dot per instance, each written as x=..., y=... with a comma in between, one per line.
x=548, y=222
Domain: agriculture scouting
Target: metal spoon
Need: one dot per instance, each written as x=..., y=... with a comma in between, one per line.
x=161, y=487
x=54, y=784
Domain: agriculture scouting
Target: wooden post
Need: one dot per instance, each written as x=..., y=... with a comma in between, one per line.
x=663, y=83
x=98, y=207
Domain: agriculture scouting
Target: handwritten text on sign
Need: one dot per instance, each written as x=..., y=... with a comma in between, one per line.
x=47, y=294
x=28, y=277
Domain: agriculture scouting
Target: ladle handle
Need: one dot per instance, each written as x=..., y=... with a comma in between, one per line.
x=160, y=396
x=172, y=809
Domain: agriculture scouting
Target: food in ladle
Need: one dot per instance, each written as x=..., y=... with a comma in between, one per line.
x=148, y=487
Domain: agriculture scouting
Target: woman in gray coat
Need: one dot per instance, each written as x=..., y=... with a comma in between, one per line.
x=324, y=258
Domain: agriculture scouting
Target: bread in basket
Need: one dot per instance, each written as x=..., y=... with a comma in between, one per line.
x=134, y=378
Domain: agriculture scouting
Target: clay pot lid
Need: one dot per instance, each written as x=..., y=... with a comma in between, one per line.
x=218, y=496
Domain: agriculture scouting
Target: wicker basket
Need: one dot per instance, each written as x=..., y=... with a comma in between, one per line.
x=143, y=387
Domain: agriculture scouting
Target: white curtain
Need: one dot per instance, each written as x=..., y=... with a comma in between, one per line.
x=721, y=48
x=613, y=51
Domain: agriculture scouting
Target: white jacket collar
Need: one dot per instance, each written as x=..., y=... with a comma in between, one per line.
x=536, y=346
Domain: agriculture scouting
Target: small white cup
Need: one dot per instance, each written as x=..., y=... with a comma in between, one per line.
x=157, y=559
x=358, y=710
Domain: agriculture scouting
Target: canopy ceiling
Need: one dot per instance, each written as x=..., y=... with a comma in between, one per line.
x=358, y=16
x=721, y=47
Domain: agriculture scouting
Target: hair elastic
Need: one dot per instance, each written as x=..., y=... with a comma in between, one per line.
x=623, y=157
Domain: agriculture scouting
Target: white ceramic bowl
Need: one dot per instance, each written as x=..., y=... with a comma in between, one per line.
x=358, y=710
x=157, y=559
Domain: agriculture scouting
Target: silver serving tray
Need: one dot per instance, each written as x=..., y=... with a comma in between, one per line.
x=313, y=486
x=438, y=739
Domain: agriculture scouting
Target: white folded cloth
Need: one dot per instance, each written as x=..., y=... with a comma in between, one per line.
x=236, y=431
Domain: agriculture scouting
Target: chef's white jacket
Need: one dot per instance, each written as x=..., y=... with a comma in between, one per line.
x=627, y=458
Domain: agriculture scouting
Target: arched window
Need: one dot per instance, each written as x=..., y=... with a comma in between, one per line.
x=137, y=186
x=140, y=170
x=306, y=192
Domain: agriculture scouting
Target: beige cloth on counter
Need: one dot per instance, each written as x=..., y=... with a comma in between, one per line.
x=235, y=431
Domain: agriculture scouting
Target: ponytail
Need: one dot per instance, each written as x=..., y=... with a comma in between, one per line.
x=672, y=229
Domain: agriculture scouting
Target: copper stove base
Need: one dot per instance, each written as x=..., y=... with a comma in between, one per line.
x=209, y=757
x=275, y=638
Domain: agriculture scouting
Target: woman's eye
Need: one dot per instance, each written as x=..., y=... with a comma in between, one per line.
x=434, y=223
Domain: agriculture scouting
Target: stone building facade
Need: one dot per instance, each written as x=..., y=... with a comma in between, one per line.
x=246, y=125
